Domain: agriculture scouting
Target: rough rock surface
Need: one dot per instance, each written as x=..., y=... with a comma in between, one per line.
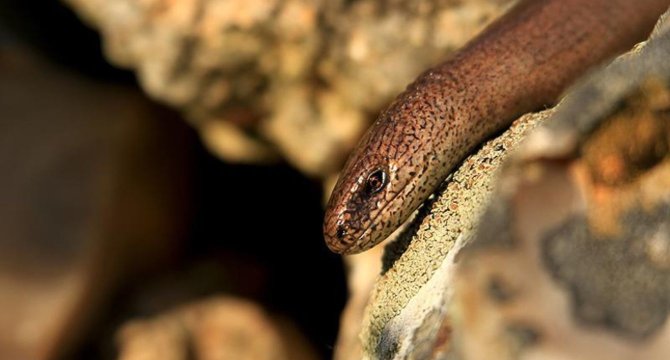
x=421, y=260
x=89, y=196
x=218, y=328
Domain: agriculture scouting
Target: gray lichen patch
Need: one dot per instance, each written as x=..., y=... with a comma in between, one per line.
x=612, y=279
x=612, y=257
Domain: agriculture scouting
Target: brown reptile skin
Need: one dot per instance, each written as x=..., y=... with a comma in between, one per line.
x=520, y=63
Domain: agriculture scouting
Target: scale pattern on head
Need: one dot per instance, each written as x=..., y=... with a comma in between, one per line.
x=386, y=178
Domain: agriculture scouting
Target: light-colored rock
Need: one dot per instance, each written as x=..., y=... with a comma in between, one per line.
x=216, y=329
x=292, y=79
x=93, y=189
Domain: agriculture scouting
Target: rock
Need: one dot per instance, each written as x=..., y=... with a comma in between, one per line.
x=292, y=79
x=217, y=328
x=94, y=188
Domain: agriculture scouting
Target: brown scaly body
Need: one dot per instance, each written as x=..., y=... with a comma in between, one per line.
x=521, y=62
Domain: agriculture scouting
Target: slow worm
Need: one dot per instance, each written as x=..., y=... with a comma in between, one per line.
x=520, y=63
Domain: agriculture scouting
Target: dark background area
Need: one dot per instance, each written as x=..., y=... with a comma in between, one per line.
x=255, y=230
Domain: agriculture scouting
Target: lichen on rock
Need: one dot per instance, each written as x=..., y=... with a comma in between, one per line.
x=421, y=261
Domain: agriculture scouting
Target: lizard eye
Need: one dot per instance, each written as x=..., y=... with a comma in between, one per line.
x=341, y=232
x=375, y=181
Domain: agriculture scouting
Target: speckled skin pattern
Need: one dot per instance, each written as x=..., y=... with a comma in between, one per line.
x=520, y=63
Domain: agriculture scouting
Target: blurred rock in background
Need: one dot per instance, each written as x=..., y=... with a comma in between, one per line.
x=114, y=211
x=218, y=328
x=296, y=79
x=95, y=187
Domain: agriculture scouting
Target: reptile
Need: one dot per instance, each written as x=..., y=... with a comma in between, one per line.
x=521, y=62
